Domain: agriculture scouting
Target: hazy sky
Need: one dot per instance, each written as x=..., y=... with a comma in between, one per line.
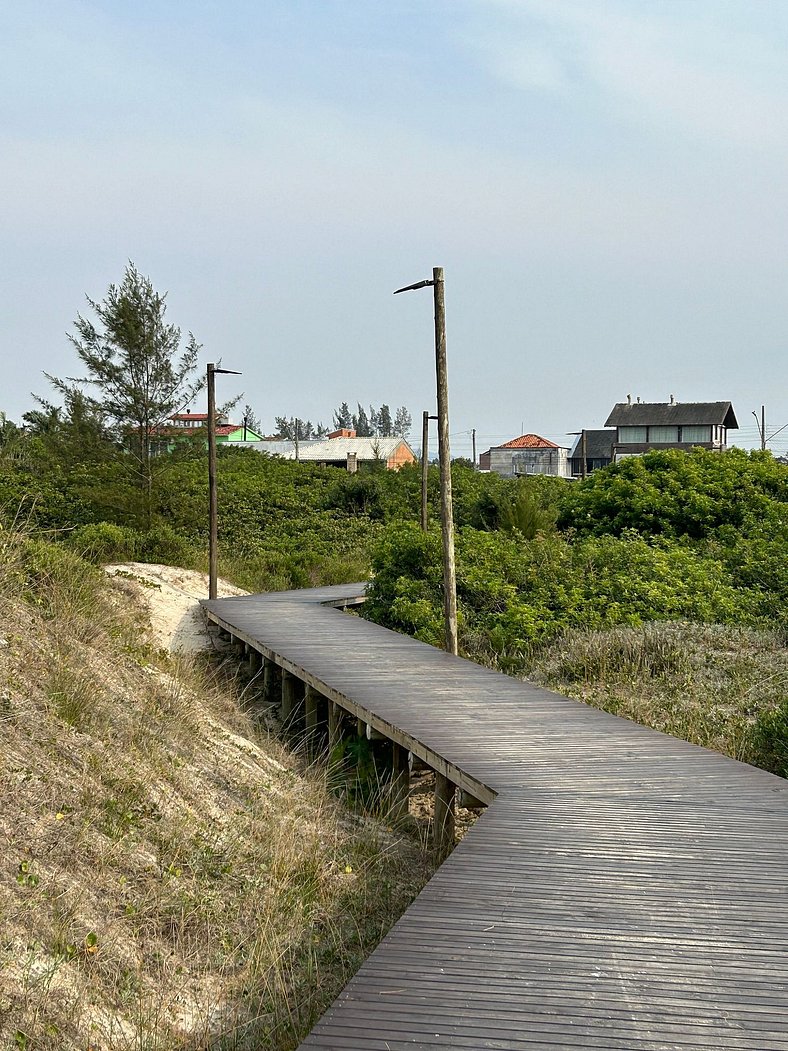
x=604, y=183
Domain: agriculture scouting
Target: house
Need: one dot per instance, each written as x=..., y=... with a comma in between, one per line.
x=344, y=449
x=598, y=451
x=225, y=431
x=528, y=454
x=644, y=426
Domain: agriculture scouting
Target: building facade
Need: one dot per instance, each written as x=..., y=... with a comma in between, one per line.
x=644, y=426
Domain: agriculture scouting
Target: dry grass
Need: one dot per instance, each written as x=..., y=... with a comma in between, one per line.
x=168, y=878
x=719, y=686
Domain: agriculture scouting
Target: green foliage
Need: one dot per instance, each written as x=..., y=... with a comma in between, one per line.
x=138, y=375
x=698, y=495
x=103, y=542
x=769, y=740
x=514, y=594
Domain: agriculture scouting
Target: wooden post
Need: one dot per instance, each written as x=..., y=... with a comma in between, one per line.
x=400, y=782
x=335, y=737
x=584, y=452
x=213, y=520
x=315, y=719
x=473, y=440
x=763, y=427
x=334, y=725
x=447, y=520
x=443, y=820
x=425, y=464
x=268, y=681
x=287, y=709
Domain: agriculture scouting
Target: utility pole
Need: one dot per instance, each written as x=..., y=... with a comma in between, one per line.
x=295, y=437
x=584, y=452
x=447, y=520
x=213, y=517
x=473, y=442
x=762, y=428
x=425, y=464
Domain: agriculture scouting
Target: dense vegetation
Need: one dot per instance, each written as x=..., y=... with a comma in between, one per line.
x=669, y=537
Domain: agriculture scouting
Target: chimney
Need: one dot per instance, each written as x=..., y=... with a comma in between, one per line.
x=629, y=399
x=672, y=399
x=638, y=399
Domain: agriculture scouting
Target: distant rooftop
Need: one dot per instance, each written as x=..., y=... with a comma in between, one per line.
x=528, y=441
x=665, y=413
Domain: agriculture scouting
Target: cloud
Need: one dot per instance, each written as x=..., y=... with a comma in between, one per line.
x=694, y=70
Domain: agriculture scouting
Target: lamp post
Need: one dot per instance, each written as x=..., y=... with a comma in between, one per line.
x=213, y=517
x=583, y=451
x=447, y=521
x=425, y=463
x=762, y=428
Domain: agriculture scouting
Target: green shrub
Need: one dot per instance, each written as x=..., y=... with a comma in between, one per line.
x=102, y=542
x=768, y=745
x=164, y=544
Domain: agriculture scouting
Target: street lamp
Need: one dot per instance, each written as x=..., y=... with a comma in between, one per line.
x=583, y=451
x=212, y=496
x=447, y=521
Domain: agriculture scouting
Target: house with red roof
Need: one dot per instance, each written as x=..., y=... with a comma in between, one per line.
x=528, y=454
x=225, y=432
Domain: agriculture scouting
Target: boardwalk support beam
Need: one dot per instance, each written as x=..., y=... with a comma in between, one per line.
x=400, y=782
x=443, y=820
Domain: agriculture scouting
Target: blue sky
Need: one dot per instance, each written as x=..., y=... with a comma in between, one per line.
x=604, y=183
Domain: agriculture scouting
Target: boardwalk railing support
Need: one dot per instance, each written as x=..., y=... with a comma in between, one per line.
x=443, y=820
x=400, y=783
x=271, y=686
x=316, y=719
x=292, y=707
x=334, y=732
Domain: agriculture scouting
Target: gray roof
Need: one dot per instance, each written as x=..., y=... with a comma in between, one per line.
x=599, y=445
x=661, y=413
x=331, y=450
x=365, y=448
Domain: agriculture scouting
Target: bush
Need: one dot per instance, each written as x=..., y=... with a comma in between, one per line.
x=768, y=746
x=163, y=544
x=102, y=542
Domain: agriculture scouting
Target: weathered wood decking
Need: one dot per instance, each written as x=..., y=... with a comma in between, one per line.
x=624, y=889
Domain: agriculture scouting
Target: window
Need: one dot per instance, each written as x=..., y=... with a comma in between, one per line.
x=663, y=435
x=632, y=435
x=696, y=434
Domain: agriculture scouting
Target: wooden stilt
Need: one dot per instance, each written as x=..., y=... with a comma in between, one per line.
x=334, y=725
x=289, y=698
x=315, y=717
x=400, y=782
x=443, y=821
x=270, y=691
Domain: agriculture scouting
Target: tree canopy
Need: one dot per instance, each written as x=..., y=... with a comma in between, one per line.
x=136, y=374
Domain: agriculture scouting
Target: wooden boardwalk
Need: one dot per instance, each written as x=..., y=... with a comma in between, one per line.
x=623, y=889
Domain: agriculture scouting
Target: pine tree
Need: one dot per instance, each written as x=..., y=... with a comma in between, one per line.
x=343, y=417
x=251, y=421
x=402, y=422
x=361, y=423
x=385, y=426
x=134, y=363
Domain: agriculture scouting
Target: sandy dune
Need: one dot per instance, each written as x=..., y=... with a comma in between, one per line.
x=172, y=596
